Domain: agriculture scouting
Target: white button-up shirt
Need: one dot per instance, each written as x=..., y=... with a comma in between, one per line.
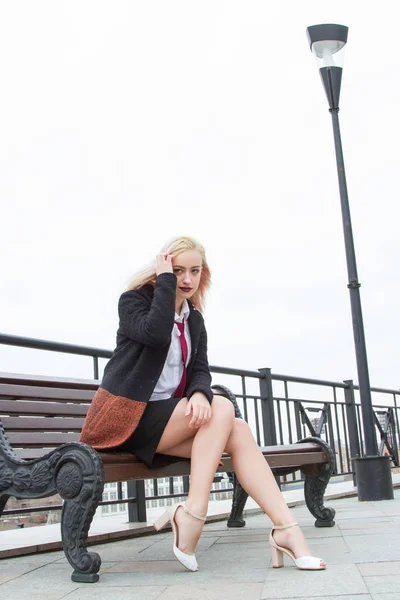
x=172, y=372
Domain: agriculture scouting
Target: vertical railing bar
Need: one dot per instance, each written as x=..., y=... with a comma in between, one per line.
x=245, y=411
x=119, y=490
x=348, y=461
x=278, y=405
x=288, y=413
x=393, y=436
x=267, y=408
x=297, y=419
x=257, y=422
x=246, y=418
x=337, y=430
x=397, y=420
x=137, y=511
x=359, y=429
x=95, y=367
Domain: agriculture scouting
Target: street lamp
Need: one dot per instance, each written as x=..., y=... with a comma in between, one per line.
x=373, y=474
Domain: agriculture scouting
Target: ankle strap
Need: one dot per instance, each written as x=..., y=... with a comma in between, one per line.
x=185, y=508
x=284, y=526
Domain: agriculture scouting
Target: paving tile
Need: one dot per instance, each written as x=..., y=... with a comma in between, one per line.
x=234, y=553
x=383, y=584
x=371, y=531
x=116, y=552
x=238, y=591
x=373, y=547
x=242, y=539
x=371, y=523
x=394, y=596
x=38, y=559
x=233, y=532
x=321, y=532
x=392, y=512
x=95, y=591
x=16, y=567
x=52, y=582
x=341, y=597
x=357, y=514
x=145, y=566
x=177, y=575
x=336, y=580
x=379, y=568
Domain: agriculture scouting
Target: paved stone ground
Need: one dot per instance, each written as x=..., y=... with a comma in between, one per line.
x=362, y=552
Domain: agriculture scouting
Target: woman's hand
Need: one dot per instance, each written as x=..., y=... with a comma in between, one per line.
x=164, y=264
x=200, y=408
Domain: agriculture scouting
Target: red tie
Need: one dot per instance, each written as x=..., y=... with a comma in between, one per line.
x=182, y=339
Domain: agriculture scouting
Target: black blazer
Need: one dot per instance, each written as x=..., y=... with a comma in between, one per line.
x=146, y=320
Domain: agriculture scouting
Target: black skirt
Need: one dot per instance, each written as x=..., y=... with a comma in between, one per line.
x=144, y=440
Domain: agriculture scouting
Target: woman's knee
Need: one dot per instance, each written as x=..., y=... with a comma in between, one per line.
x=223, y=408
x=241, y=430
x=241, y=436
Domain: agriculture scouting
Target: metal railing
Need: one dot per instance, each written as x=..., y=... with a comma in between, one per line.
x=280, y=409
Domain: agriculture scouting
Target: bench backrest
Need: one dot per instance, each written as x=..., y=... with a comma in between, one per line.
x=38, y=414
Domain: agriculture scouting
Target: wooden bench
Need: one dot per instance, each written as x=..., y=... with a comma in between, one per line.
x=40, y=421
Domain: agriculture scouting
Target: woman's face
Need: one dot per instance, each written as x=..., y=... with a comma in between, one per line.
x=187, y=268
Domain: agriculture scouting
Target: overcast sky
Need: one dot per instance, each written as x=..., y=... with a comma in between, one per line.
x=124, y=123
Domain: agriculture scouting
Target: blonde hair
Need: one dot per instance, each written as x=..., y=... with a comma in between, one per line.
x=176, y=246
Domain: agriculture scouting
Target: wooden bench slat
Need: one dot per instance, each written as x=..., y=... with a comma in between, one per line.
x=63, y=382
x=296, y=460
x=291, y=448
x=21, y=407
x=42, y=423
x=40, y=393
x=31, y=453
x=288, y=449
x=42, y=440
x=125, y=466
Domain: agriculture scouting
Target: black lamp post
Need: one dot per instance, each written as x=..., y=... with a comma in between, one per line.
x=373, y=474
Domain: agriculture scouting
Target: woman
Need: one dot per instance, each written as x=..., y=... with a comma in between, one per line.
x=156, y=401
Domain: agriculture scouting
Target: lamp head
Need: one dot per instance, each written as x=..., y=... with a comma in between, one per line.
x=327, y=43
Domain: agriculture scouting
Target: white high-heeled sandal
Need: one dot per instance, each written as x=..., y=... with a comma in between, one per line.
x=304, y=563
x=187, y=560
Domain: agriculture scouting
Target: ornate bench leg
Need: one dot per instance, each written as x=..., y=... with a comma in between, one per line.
x=80, y=482
x=315, y=486
x=239, y=495
x=238, y=502
x=73, y=470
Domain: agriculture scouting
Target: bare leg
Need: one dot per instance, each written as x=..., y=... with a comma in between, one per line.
x=260, y=484
x=208, y=444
